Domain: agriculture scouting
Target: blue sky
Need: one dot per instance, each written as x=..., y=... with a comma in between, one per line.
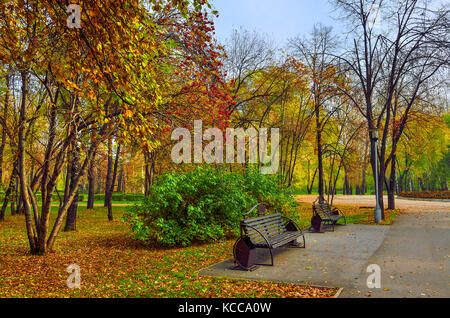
x=280, y=19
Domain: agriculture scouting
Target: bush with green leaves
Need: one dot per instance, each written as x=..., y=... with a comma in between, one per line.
x=202, y=205
x=131, y=197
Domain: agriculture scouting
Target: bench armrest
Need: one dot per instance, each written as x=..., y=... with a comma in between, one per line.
x=339, y=212
x=335, y=209
x=250, y=212
x=293, y=222
x=259, y=233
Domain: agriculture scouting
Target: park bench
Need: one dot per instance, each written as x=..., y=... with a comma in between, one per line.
x=268, y=231
x=323, y=213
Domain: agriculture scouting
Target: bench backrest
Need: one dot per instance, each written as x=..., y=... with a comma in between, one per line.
x=269, y=225
x=323, y=209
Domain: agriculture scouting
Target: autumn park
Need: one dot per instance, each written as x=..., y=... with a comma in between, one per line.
x=158, y=149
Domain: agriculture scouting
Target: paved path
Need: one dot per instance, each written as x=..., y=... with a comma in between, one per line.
x=413, y=254
x=414, y=259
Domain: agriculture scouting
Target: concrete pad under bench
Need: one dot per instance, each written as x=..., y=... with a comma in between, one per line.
x=330, y=259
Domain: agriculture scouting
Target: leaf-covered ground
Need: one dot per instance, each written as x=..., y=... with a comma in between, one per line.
x=426, y=194
x=114, y=265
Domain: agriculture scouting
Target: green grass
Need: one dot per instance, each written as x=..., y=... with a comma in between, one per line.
x=353, y=215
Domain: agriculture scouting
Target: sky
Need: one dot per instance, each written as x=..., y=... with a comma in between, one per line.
x=279, y=19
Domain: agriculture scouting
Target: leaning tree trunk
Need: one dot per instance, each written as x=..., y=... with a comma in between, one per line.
x=32, y=239
x=91, y=174
x=8, y=191
x=67, y=180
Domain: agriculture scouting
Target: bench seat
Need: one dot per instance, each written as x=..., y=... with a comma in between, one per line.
x=280, y=240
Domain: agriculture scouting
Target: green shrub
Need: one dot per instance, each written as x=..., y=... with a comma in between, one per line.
x=202, y=205
x=99, y=197
x=134, y=197
x=55, y=197
x=118, y=197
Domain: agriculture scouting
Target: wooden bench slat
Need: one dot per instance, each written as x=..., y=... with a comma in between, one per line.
x=260, y=218
x=268, y=234
x=272, y=227
x=285, y=241
x=269, y=225
x=281, y=240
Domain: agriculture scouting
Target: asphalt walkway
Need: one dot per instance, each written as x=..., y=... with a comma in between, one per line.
x=413, y=255
x=414, y=259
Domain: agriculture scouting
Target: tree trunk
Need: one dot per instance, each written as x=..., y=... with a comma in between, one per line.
x=13, y=198
x=108, y=173
x=120, y=179
x=32, y=239
x=380, y=175
x=5, y=115
x=91, y=173
x=319, y=152
x=91, y=186
x=67, y=181
x=391, y=188
x=364, y=169
x=71, y=220
x=310, y=185
x=8, y=191
x=345, y=187
x=113, y=181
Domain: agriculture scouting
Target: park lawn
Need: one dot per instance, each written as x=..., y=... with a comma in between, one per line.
x=113, y=264
x=353, y=215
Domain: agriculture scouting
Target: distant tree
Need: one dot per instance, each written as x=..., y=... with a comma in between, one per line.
x=316, y=52
x=403, y=53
